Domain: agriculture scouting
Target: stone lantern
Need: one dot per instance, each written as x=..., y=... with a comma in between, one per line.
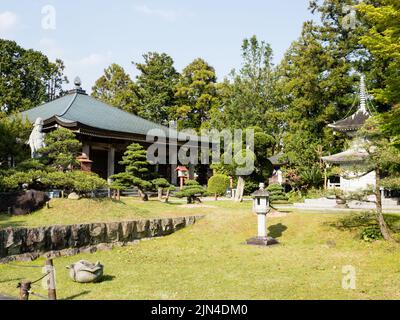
x=85, y=162
x=261, y=208
x=183, y=173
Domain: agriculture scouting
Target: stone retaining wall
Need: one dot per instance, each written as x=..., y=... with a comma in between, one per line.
x=30, y=242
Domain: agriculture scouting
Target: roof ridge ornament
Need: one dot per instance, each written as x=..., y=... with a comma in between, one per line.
x=78, y=86
x=77, y=82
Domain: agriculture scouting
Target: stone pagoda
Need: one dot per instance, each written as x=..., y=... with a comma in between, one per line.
x=356, y=155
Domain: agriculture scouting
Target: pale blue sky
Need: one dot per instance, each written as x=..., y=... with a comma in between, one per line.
x=91, y=34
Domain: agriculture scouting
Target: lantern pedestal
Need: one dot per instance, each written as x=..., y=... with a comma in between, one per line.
x=262, y=241
x=261, y=207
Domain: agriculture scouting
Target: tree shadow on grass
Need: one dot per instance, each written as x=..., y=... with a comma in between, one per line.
x=10, y=280
x=77, y=295
x=356, y=221
x=277, y=230
x=5, y=221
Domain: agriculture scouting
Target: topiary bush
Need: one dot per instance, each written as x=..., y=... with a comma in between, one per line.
x=162, y=184
x=276, y=193
x=218, y=184
x=192, y=191
x=84, y=183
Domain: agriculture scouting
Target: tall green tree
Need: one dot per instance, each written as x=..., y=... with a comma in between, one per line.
x=318, y=79
x=248, y=96
x=156, y=86
x=313, y=95
x=27, y=78
x=196, y=95
x=116, y=88
x=382, y=40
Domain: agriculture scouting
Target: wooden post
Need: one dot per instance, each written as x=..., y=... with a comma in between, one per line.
x=51, y=283
x=24, y=288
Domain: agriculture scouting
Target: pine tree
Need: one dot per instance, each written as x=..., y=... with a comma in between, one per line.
x=61, y=149
x=156, y=86
x=136, y=170
x=116, y=88
x=192, y=191
x=196, y=96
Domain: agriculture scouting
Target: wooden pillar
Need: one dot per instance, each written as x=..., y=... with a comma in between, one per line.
x=51, y=282
x=86, y=150
x=24, y=288
x=111, y=162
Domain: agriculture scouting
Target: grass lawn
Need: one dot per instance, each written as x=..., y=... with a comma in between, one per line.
x=210, y=260
x=63, y=211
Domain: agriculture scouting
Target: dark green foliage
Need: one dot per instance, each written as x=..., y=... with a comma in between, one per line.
x=61, y=149
x=116, y=88
x=84, y=183
x=196, y=95
x=15, y=180
x=27, y=78
x=371, y=234
x=251, y=185
x=382, y=39
x=14, y=132
x=156, y=87
x=312, y=178
x=276, y=193
x=161, y=183
x=192, y=191
x=80, y=182
x=248, y=97
x=218, y=184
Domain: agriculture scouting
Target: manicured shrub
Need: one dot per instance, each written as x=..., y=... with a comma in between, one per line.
x=84, y=183
x=162, y=184
x=192, y=191
x=218, y=184
x=61, y=149
x=276, y=193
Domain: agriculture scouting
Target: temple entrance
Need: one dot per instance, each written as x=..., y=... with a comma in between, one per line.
x=100, y=162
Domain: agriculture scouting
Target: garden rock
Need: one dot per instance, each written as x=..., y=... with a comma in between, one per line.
x=85, y=272
x=73, y=196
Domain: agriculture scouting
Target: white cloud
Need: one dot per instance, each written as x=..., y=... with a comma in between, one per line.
x=8, y=22
x=89, y=68
x=169, y=15
x=50, y=48
x=94, y=59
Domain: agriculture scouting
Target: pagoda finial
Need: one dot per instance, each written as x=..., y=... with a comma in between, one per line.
x=363, y=94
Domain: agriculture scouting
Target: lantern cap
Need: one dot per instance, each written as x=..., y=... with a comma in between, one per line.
x=84, y=158
x=181, y=168
x=261, y=193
